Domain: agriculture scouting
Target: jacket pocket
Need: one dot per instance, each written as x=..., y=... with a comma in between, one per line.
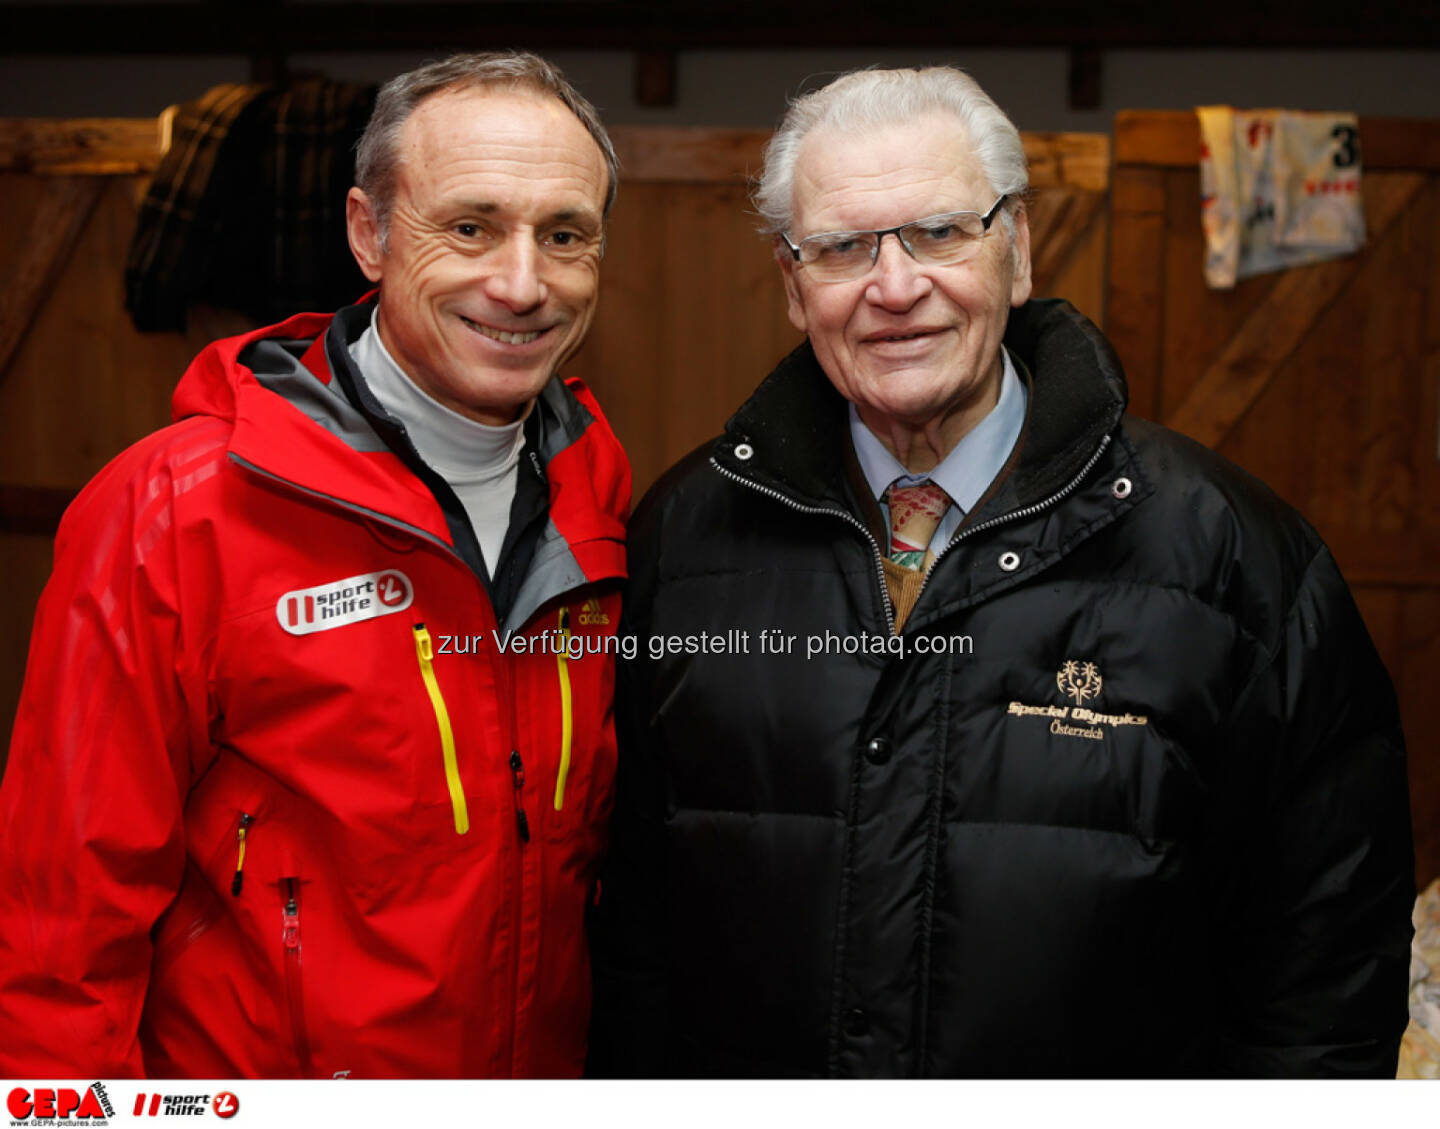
x=198, y=905
x=425, y=656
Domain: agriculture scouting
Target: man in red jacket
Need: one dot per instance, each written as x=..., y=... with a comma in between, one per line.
x=314, y=755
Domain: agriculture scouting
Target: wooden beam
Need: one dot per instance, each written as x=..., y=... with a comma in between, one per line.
x=1135, y=298
x=1085, y=72
x=80, y=146
x=665, y=153
x=269, y=64
x=68, y=146
x=1255, y=354
x=50, y=237
x=661, y=153
x=1068, y=160
x=33, y=509
x=123, y=146
x=1171, y=139
x=655, y=78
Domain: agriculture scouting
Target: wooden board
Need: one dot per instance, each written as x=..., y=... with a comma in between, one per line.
x=81, y=146
x=81, y=385
x=1321, y=380
x=1171, y=139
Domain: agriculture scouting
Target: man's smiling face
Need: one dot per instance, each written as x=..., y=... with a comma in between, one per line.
x=910, y=344
x=489, y=273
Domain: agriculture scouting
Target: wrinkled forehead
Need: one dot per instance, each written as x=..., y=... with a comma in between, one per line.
x=885, y=174
x=485, y=129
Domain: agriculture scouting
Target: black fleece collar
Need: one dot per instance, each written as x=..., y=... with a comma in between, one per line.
x=789, y=435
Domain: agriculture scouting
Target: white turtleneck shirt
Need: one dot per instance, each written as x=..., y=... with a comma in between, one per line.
x=478, y=460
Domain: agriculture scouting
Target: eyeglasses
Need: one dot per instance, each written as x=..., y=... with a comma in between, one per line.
x=839, y=256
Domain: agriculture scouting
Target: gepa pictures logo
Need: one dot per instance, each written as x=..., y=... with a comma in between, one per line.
x=59, y=1105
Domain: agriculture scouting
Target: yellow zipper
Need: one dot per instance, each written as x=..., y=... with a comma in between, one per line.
x=566, y=728
x=425, y=653
x=246, y=819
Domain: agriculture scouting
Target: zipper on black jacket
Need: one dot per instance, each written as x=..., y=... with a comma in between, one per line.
x=835, y=512
x=1025, y=511
x=1013, y=515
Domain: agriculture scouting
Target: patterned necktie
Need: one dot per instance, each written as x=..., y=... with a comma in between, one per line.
x=915, y=511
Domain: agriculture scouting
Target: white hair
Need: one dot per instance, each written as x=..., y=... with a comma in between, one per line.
x=870, y=98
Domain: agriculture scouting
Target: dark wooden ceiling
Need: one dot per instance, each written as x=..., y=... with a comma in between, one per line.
x=269, y=26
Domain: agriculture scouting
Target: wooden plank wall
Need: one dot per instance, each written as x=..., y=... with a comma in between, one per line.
x=691, y=315
x=78, y=383
x=1320, y=380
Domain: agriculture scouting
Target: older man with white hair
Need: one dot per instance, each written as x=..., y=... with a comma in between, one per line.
x=1043, y=740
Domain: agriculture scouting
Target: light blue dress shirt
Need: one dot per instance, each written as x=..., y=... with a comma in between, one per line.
x=966, y=471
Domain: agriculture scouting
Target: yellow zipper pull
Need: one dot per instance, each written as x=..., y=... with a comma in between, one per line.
x=246, y=819
x=562, y=662
x=425, y=654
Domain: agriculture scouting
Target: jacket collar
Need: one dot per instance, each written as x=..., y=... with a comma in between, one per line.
x=302, y=418
x=792, y=428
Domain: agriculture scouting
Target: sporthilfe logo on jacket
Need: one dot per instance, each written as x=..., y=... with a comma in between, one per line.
x=356, y=598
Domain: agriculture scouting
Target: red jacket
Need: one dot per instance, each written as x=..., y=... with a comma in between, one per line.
x=263, y=808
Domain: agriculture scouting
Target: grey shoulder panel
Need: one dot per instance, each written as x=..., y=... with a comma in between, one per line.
x=567, y=419
x=276, y=365
x=553, y=571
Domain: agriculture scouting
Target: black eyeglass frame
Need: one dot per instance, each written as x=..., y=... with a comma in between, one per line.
x=986, y=219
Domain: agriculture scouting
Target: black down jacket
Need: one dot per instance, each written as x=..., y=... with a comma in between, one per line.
x=1144, y=812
